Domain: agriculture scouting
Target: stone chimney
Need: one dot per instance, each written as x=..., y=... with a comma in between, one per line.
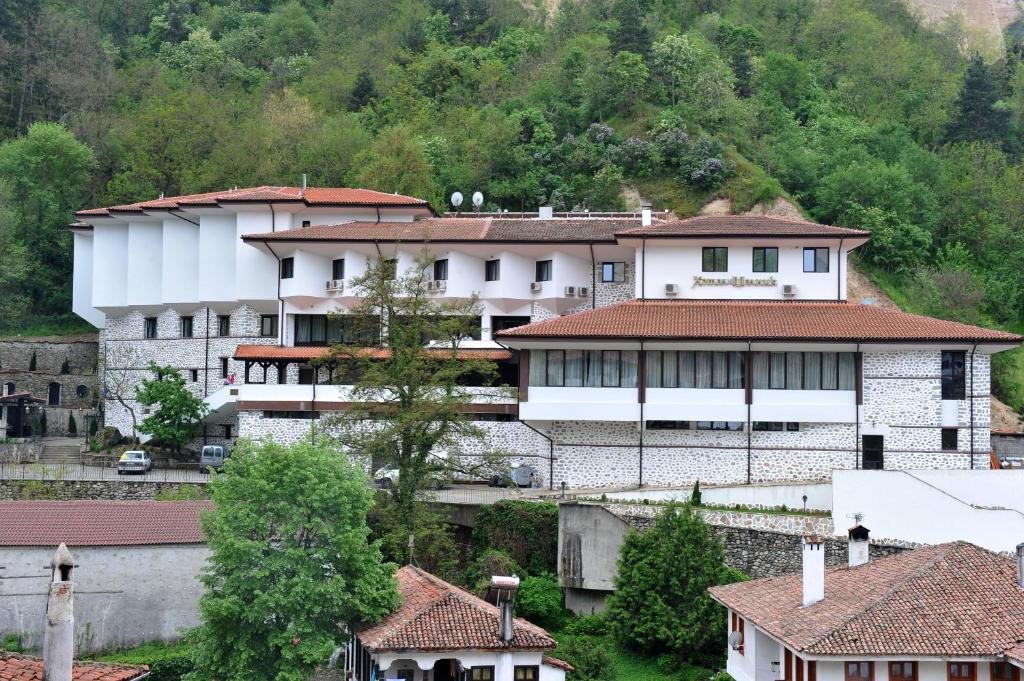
x=1020, y=565
x=813, y=569
x=59, y=637
x=858, y=545
x=503, y=590
x=545, y=212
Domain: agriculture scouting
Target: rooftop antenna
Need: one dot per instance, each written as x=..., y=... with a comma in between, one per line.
x=456, y=201
x=478, y=200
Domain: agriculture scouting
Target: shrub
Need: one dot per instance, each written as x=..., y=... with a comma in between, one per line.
x=490, y=562
x=72, y=425
x=12, y=643
x=94, y=426
x=695, y=495
x=167, y=662
x=525, y=530
x=590, y=658
x=667, y=663
x=588, y=625
x=540, y=600
x=43, y=426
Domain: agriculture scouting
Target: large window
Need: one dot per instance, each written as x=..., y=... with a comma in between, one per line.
x=815, y=260
x=338, y=268
x=668, y=425
x=766, y=259
x=287, y=268
x=954, y=375
x=482, y=674
x=186, y=327
x=492, y=270
x=860, y=671
x=543, y=270
x=613, y=271
x=902, y=671
x=804, y=371
x=149, y=327
x=268, y=325
x=319, y=329
x=949, y=439
x=715, y=259
x=960, y=671
x=583, y=368
x=224, y=325
x=526, y=673
x=694, y=369
x=441, y=269
x=720, y=425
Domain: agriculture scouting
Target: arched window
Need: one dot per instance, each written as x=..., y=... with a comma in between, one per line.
x=53, y=395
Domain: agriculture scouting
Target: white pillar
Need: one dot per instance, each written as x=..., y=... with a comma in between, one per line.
x=59, y=637
x=813, y=569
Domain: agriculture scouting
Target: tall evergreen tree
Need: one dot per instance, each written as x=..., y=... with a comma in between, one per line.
x=976, y=117
x=632, y=34
x=363, y=92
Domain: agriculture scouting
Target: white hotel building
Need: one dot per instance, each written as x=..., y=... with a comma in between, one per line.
x=645, y=351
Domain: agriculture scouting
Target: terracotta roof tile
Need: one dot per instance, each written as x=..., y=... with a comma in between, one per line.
x=739, y=226
x=449, y=229
x=436, y=615
x=755, y=320
x=951, y=600
x=275, y=352
x=558, y=664
x=100, y=523
x=14, y=667
x=312, y=196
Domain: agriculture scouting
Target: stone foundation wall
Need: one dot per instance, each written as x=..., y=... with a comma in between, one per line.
x=109, y=490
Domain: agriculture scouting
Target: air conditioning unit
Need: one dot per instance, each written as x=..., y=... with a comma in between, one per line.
x=335, y=285
x=788, y=290
x=536, y=286
x=583, y=291
x=430, y=286
x=671, y=289
x=570, y=291
x=440, y=285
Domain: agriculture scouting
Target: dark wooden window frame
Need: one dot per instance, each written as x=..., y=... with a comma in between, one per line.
x=857, y=677
x=719, y=259
x=492, y=270
x=763, y=250
x=287, y=267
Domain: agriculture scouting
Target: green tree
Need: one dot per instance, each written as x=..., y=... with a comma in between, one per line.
x=896, y=245
x=631, y=34
x=178, y=409
x=628, y=78
x=660, y=602
x=395, y=162
x=540, y=600
x=363, y=92
x=290, y=30
x=976, y=116
x=291, y=571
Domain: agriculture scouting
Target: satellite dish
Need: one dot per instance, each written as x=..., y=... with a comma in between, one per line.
x=735, y=640
x=478, y=199
x=457, y=199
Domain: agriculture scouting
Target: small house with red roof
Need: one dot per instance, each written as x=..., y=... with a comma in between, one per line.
x=443, y=633
x=951, y=612
x=137, y=576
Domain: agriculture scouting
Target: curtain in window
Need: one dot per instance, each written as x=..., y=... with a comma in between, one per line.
x=610, y=368
x=828, y=371
x=574, y=368
x=720, y=370
x=686, y=370
x=771, y=260
x=812, y=370
x=538, y=367
x=761, y=370
x=333, y=330
x=821, y=260
x=670, y=369
x=629, y=362
x=652, y=370
x=735, y=369
x=556, y=364
x=778, y=371
x=301, y=329
x=703, y=369
x=794, y=371
x=847, y=371
x=318, y=329
x=593, y=369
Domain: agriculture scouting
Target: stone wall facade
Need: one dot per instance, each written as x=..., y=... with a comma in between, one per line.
x=109, y=490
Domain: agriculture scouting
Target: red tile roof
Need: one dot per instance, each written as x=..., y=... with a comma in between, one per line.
x=755, y=320
x=739, y=226
x=275, y=352
x=14, y=667
x=558, y=664
x=1016, y=654
x=100, y=523
x=448, y=229
x=951, y=600
x=312, y=196
x=436, y=615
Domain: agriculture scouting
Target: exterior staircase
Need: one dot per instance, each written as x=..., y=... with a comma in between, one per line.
x=62, y=452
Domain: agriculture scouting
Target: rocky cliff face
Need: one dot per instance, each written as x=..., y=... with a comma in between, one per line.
x=983, y=20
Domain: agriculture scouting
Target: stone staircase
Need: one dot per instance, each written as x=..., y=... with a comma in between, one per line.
x=62, y=452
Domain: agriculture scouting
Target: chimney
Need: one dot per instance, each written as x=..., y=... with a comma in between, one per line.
x=59, y=636
x=545, y=212
x=303, y=182
x=814, y=569
x=503, y=590
x=645, y=215
x=1020, y=565
x=858, y=544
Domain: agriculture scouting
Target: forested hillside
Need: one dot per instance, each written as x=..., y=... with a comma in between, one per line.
x=852, y=108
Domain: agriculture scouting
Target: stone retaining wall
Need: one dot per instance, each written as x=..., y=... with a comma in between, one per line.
x=20, y=452
x=108, y=490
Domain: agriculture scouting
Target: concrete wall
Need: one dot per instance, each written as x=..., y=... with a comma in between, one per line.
x=983, y=507
x=124, y=595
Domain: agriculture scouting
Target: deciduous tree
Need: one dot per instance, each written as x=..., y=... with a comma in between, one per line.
x=177, y=408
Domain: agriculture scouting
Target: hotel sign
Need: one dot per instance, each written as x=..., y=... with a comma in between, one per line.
x=739, y=282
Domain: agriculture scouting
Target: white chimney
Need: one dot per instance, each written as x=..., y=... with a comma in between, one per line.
x=645, y=216
x=1020, y=565
x=859, y=545
x=814, y=569
x=59, y=636
x=545, y=212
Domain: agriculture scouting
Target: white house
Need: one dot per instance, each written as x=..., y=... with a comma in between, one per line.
x=951, y=612
x=442, y=633
x=646, y=351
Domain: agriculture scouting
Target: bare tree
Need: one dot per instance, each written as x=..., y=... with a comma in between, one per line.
x=120, y=362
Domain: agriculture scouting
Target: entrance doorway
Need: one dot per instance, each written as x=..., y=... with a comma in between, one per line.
x=445, y=670
x=873, y=457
